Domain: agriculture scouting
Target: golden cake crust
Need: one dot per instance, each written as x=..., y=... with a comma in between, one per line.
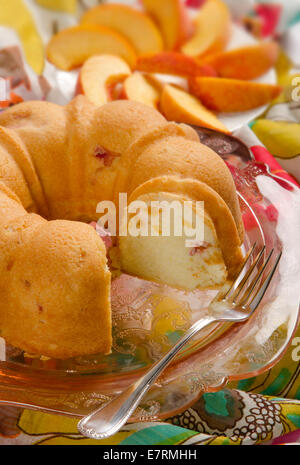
x=187, y=159
x=59, y=162
x=55, y=283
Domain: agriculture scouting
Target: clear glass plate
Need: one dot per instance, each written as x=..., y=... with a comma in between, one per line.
x=149, y=318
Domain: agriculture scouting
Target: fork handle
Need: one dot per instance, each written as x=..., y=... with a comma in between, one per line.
x=107, y=420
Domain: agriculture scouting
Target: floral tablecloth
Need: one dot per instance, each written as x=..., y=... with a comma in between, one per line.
x=263, y=409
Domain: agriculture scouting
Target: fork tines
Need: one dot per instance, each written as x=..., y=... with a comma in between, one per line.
x=245, y=290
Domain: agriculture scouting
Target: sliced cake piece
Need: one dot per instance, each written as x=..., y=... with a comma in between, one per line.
x=161, y=244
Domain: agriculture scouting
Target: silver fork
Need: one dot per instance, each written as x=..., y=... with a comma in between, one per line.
x=235, y=305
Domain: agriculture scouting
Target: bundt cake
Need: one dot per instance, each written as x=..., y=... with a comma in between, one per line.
x=56, y=164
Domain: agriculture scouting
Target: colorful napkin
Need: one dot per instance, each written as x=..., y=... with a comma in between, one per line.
x=263, y=409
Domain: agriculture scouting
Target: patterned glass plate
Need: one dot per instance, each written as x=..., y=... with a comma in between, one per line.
x=149, y=318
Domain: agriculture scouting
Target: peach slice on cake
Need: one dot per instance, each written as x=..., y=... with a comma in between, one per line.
x=229, y=95
x=140, y=88
x=182, y=107
x=172, y=19
x=98, y=74
x=134, y=25
x=212, y=30
x=71, y=47
x=173, y=63
x=246, y=62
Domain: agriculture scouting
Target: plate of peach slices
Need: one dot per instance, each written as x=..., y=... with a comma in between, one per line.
x=195, y=66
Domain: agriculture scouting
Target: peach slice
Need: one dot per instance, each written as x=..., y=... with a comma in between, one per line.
x=229, y=95
x=134, y=25
x=71, y=47
x=182, y=107
x=245, y=63
x=141, y=89
x=212, y=30
x=173, y=63
x=98, y=74
x=172, y=19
